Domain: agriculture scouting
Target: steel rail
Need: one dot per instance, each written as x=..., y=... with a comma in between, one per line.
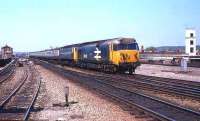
x=168, y=80
x=154, y=85
x=22, y=86
x=32, y=102
x=13, y=92
x=180, y=89
x=162, y=109
x=7, y=71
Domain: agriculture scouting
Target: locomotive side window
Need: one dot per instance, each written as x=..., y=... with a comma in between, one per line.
x=114, y=47
x=120, y=47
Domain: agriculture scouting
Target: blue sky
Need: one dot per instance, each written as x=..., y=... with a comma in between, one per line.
x=31, y=25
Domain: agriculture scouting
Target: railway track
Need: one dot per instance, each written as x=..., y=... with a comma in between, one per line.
x=7, y=71
x=172, y=86
x=167, y=80
x=175, y=86
x=157, y=108
x=16, y=104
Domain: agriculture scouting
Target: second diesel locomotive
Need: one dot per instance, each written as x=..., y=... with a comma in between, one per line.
x=111, y=55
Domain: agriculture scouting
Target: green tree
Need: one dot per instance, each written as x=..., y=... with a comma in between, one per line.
x=152, y=49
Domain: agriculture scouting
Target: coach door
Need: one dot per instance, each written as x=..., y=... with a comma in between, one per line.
x=75, y=53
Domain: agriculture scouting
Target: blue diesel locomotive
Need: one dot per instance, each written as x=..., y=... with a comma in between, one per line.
x=111, y=55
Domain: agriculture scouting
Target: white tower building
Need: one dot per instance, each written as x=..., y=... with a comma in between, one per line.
x=190, y=42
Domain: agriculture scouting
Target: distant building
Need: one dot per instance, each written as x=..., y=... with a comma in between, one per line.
x=142, y=49
x=6, y=52
x=198, y=52
x=190, y=42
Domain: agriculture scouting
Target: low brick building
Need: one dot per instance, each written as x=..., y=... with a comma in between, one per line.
x=6, y=52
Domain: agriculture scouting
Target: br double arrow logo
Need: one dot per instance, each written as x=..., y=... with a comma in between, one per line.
x=97, y=52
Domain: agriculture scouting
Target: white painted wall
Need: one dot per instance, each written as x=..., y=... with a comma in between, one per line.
x=188, y=44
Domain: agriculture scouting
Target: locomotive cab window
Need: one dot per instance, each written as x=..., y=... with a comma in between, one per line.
x=131, y=46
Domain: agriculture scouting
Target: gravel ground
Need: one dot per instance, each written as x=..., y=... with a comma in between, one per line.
x=185, y=102
x=182, y=101
x=84, y=104
x=193, y=74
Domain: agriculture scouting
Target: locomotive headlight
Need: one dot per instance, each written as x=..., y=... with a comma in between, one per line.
x=137, y=55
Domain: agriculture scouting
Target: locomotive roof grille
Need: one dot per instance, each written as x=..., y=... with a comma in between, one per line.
x=127, y=40
x=121, y=40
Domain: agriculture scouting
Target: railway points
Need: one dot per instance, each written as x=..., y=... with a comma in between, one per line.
x=84, y=104
x=99, y=60
x=18, y=94
x=136, y=94
x=32, y=94
x=76, y=76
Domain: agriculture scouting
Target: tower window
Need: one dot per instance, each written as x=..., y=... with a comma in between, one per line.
x=191, y=35
x=191, y=42
x=191, y=50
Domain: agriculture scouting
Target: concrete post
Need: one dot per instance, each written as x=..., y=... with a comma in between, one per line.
x=66, y=89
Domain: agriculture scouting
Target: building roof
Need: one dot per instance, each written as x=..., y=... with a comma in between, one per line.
x=6, y=46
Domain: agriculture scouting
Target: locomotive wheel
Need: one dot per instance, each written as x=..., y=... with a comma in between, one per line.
x=114, y=69
x=121, y=71
x=130, y=71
